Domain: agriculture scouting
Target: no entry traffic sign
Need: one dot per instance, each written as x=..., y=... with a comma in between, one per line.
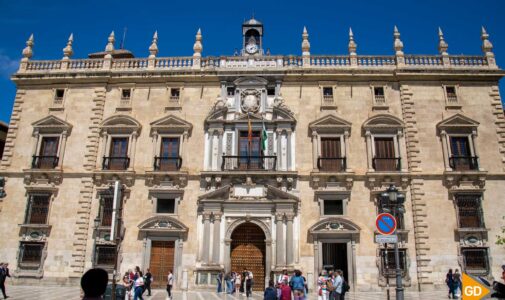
x=385, y=223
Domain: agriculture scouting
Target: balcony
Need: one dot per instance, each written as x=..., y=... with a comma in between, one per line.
x=246, y=163
x=331, y=164
x=386, y=164
x=115, y=163
x=44, y=162
x=463, y=163
x=167, y=163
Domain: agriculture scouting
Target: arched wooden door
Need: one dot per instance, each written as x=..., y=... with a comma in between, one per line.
x=162, y=260
x=248, y=252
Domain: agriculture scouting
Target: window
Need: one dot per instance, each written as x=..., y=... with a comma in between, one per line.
x=48, y=153
x=105, y=255
x=379, y=96
x=476, y=260
x=169, y=159
x=271, y=91
x=385, y=158
x=331, y=155
x=388, y=263
x=106, y=210
x=230, y=91
x=31, y=254
x=469, y=211
x=333, y=207
x=461, y=158
x=328, y=94
x=165, y=206
x=38, y=209
x=450, y=92
x=126, y=94
x=58, y=96
x=118, y=155
x=175, y=94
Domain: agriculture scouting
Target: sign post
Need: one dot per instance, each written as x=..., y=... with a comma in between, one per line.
x=386, y=224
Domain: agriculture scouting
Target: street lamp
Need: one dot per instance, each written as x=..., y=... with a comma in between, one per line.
x=393, y=202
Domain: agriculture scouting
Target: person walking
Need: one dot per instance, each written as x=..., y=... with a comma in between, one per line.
x=458, y=285
x=249, y=283
x=298, y=285
x=138, y=286
x=285, y=291
x=148, y=279
x=4, y=273
x=229, y=285
x=170, y=283
x=280, y=279
x=322, y=292
x=270, y=292
x=220, y=282
x=238, y=282
x=449, y=280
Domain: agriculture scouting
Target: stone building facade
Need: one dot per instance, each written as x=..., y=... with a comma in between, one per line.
x=253, y=161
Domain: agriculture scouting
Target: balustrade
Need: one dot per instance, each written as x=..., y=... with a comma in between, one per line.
x=423, y=60
x=133, y=63
x=244, y=163
x=85, y=64
x=330, y=61
x=468, y=61
x=43, y=65
x=376, y=61
x=173, y=62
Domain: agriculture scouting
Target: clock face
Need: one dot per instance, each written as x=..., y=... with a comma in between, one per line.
x=251, y=48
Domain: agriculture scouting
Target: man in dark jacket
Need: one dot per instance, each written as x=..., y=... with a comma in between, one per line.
x=270, y=291
x=148, y=278
x=4, y=273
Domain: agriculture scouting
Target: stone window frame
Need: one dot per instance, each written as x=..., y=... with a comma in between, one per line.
x=379, y=105
x=327, y=103
x=174, y=103
x=125, y=103
x=480, y=194
x=155, y=194
x=381, y=263
x=44, y=128
x=448, y=102
x=59, y=103
x=95, y=256
x=483, y=272
x=118, y=126
x=32, y=269
x=388, y=126
x=30, y=194
x=458, y=125
x=321, y=196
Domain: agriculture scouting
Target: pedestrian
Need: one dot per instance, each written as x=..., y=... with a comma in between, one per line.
x=345, y=288
x=127, y=284
x=503, y=273
x=280, y=279
x=285, y=291
x=337, y=283
x=93, y=283
x=148, y=279
x=227, y=280
x=170, y=283
x=298, y=285
x=270, y=292
x=449, y=280
x=322, y=292
x=138, y=286
x=249, y=283
x=243, y=283
x=220, y=281
x=3, y=277
x=238, y=282
x=457, y=282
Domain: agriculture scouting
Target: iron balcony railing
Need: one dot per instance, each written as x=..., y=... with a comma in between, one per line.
x=332, y=164
x=44, y=162
x=115, y=163
x=387, y=164
x=237, y=163
x=463, y=163
x=165, y=163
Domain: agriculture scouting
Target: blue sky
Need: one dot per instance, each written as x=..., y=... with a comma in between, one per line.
x=177, y=21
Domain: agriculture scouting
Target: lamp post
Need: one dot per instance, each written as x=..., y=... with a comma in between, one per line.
x=393, y=202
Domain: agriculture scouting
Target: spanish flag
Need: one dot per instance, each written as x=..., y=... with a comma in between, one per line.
x=249, y=131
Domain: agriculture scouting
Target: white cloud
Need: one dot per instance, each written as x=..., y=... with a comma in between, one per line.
x=7, y=65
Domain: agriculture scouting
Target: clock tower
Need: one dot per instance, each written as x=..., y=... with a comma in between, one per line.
x=252, y=37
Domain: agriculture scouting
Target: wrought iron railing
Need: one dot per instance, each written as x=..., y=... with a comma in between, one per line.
x=115, y=163
x=237, y=163
x=463, y=163
x=332, y=164
x=44, y=161
x=164, y=163
x=386, y=164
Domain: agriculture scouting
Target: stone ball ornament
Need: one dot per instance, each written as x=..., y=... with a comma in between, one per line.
x=250, y=101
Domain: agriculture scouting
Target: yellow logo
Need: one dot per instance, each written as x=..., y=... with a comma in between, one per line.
x=472, y=289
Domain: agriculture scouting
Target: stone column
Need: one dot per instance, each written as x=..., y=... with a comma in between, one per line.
x=36, y=143
x=279, y=240
x=288, y=150
x=473, y=145
x=346, y=151
x=315, y=152
x=62, y=148
x=289, y=240
x=217, y=238
x=155, y=148
x=132, y=149
x=368, y=136
x=445, y=150
x=183, y=153
x=403, y=151
x=206, y=237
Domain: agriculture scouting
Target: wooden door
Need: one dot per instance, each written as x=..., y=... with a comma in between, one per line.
x=118, y=154
x=169, y=153
x=331, y=156
x=460, y=149
x=48, y=152
x=385, y=159
x=248, y=253
x=162, y=261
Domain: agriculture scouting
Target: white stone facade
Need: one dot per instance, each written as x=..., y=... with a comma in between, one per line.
x=422, y=106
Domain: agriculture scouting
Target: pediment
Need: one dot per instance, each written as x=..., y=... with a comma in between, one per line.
x=334, y=225
x=171, y=123
x=457, y=121
x=330, y=123
x=383, y=121
x=283, y=113
x=251, y=81
x=221, y=193
x=51, y=123
x=163, y=223
x=217, y=114
x=276, y=193
x=122, y=123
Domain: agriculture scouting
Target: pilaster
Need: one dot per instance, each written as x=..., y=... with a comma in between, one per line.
x=13, y=129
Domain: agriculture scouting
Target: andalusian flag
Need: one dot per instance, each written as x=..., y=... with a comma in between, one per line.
x=264, y=138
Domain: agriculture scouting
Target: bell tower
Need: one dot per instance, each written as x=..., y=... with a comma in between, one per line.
x=252, y=37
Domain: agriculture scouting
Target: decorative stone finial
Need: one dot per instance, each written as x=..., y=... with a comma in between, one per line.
x=197, y=47
x=442, y=45
x=153, y=49
x=352, y=44
x=398, y=44
x=487, y=47
x=28, y=50
x=68, y=51
x=305, y=42
x=110, y=45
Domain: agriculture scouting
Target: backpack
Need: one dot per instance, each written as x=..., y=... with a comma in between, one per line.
x=345, y=286
x=329, y=285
